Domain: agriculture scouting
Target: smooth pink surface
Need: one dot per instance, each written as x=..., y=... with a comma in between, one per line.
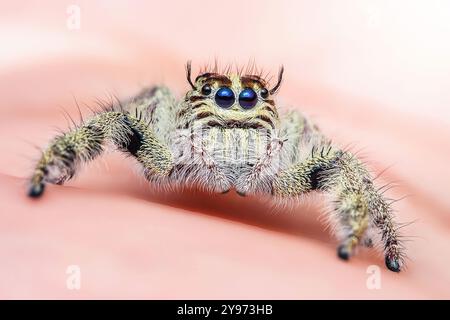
x=375, y=76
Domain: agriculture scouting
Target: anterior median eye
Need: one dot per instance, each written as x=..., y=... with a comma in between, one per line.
x=248, y=98
x=225, y=97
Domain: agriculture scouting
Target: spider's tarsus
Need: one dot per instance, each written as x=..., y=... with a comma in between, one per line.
x=392, y=264
x=36, y=190
x=343, y=253
x=242, y=194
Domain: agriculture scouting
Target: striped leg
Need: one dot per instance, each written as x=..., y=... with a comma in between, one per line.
x=59, y=161
x=356, y=202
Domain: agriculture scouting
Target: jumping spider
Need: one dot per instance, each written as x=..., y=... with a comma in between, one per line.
x=226, y=133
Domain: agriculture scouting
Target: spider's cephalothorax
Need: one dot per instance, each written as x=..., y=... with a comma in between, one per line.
x=227, y=134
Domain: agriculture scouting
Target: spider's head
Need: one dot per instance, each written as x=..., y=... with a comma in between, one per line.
x=233, y=100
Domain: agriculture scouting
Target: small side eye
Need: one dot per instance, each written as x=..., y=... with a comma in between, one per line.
x=264, y=93
x=206, y=90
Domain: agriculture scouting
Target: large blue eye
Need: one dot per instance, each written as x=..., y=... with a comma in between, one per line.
x=225, y=97
x=248, y=98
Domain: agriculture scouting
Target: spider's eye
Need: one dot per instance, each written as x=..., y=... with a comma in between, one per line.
x=225, y=97
x=248, y=98
x=264, y=93
x=206, y=90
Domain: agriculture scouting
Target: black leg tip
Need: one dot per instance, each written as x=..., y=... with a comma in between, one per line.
x=392, y=264
x=343, y=253
x=36, y=190
x=242, y=194
x=225, y=191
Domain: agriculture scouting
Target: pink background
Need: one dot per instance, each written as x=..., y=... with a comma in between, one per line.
x=375, y=75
